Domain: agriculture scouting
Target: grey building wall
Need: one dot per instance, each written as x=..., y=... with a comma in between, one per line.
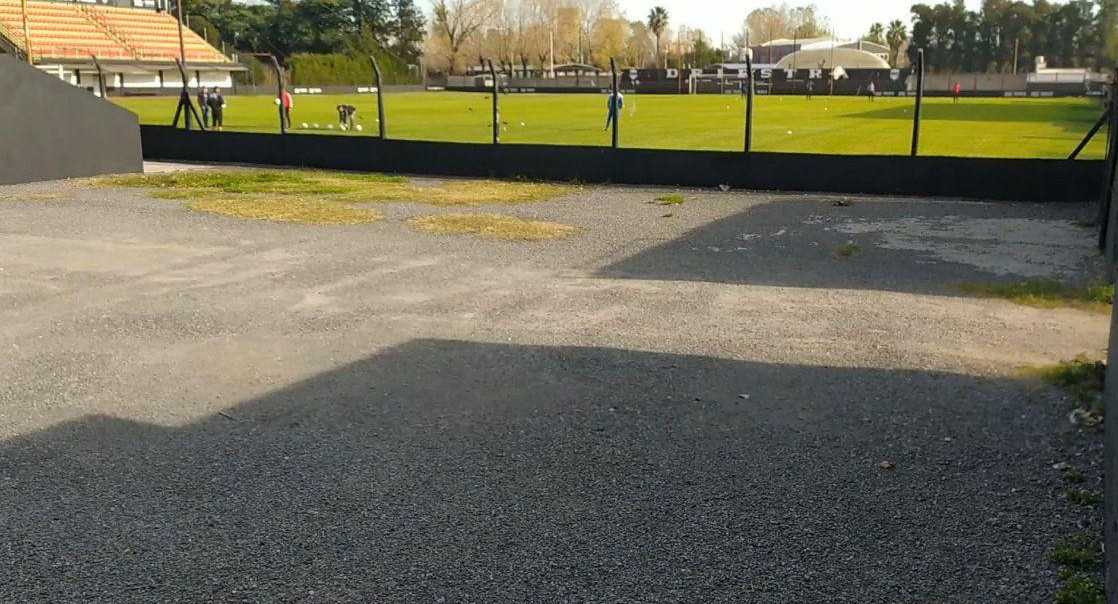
x=50, y=129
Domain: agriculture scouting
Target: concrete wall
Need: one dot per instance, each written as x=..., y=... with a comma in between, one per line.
x=1006, y=179
x=53, y=130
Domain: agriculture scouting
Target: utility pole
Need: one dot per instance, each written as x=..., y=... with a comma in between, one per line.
x=26, y=32
x=1016, y=47
x=551, y=51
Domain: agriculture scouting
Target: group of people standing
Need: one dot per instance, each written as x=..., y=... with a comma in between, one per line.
x=212, y=104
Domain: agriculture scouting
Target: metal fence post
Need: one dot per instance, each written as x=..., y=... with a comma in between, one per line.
x=919, y=102
x=279, y=86
x=749, y=103
x=382, y=128
x=613, y=103
x=496, y=105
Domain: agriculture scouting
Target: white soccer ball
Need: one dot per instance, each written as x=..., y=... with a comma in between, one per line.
x=342, y=127
x=329, y=126
x=789, y=132
x=277, y=101
x=521, y=123
x=359, y=127
x=305, y=126
x=315, y=125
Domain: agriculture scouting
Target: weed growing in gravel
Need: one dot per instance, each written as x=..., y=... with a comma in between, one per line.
x=671, y=199
x=492, y=226
x=30, y=197
x=1047, y=294
x=1074, y=476
x=1080, y=559
x=848, y=250
x=1081, y=377
x=1084, y=497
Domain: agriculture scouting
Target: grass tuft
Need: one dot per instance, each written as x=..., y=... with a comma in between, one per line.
x=286, y=209
x=1078, y=588
x=848, y=250
x=1047, y=294
x=30, y=197
x=1083, y=378
x=671, y=199
x=492, y=226
x=1083, y=497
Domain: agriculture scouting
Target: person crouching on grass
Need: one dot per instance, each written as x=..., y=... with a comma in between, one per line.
x=615, y=104
x=345, y=116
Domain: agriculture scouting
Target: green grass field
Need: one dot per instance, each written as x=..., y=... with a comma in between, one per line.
x=993, y=127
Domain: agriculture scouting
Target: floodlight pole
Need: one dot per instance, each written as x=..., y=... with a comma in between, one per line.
x=613, y=102
x=380, y=98
x=182, y=45
x=280, y=87
x=100, y=76
x=26, y=32
x=919, y=102
x=749, y=103
x=496, y=105
x=186, y=106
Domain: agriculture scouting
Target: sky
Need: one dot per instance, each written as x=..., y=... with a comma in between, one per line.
x=850, y=18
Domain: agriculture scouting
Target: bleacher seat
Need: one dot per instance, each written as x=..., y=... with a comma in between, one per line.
x=76, y=31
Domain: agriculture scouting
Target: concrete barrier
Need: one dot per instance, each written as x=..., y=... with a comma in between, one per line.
x=53, y=130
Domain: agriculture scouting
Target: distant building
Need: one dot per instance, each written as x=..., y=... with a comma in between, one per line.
x=772, y=52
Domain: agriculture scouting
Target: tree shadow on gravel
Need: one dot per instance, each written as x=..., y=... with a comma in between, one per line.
x=903, y=245
x=447, y=471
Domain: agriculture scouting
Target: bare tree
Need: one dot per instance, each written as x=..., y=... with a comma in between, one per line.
x=457, y=21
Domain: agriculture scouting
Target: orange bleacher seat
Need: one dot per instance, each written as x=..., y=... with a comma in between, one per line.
x=76, y=31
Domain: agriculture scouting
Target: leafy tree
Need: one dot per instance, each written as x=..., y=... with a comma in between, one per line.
x=408, y=30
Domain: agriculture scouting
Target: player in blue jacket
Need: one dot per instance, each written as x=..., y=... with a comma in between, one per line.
x=615, y=105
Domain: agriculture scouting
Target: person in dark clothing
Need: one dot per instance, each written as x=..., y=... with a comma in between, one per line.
x=345, y=116
x=810, y=88
x=204, y=105
x=217, y=109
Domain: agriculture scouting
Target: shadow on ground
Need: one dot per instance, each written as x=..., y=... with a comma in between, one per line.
x=448, y=471
x=903, y=245
x=1072, y=119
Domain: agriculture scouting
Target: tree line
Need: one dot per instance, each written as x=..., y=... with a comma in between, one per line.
x=1005, y=33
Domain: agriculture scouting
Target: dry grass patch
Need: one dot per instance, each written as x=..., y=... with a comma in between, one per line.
x=286, y=209
x=335, y=186
x=30, y=197
x=1047, y=294
x=492, y=226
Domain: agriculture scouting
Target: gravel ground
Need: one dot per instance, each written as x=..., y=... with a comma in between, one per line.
x=195, y=408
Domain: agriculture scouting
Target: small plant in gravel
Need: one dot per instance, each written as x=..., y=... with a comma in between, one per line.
x=848, y=250
x=1082, y=378
x=1079, y=551
x=671, y=199
x=1080, y=559
x=1074, y=476
x=1078, y=588
x=1084, y=497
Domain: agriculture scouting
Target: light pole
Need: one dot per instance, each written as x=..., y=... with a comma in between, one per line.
x=26, y=32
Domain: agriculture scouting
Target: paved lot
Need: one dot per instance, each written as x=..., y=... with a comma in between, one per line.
x=196, y=408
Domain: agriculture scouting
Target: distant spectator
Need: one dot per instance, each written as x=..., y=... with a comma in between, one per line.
x=871, y=90
x=288, y=105
x=217, y=109
x=955, y=90
x=204, y=105
x=810, y=88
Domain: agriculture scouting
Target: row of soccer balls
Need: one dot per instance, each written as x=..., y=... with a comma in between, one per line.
x=305, y=126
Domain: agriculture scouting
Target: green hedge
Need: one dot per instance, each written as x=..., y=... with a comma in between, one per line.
x=346, y=70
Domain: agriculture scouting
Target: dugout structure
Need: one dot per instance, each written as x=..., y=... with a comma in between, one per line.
x=135, y=42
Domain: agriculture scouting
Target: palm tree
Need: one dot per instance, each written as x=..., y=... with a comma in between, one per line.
x=896, y=36
x=658, y=22
x=877, y=34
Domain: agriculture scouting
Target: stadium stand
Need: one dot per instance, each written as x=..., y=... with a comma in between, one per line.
x=137, y=46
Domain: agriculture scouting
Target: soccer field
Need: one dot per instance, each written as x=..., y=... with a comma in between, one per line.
x=983, y=127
